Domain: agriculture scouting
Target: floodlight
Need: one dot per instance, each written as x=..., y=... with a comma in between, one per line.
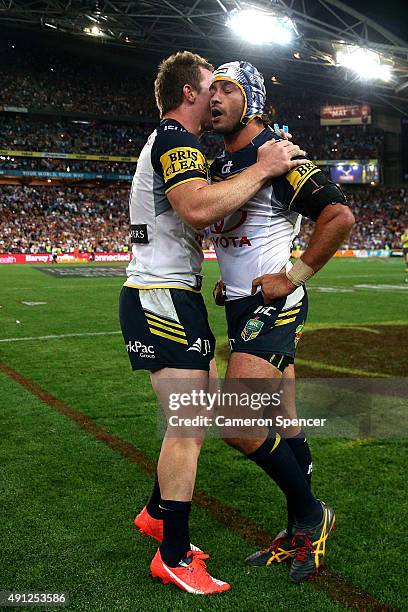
x=94, y=31
x=366, y=63
x=259, y=27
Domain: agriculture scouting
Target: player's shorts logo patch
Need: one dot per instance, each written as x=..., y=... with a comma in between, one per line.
x=201, y=346
x=143, y=350
x=251, y=329
x=298, y=333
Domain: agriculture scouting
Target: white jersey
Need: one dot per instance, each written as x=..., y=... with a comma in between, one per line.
x=166, y=251
x=253, y=241
x=257, y=239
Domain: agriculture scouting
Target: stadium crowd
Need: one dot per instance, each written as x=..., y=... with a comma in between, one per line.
x=381, y=217
x=21, y=133
x=48, y=82
x=91, y=137
x=74, y=217
x=36, y=78
x=32, y=218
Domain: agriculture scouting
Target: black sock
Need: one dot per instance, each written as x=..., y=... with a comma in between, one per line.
x=300, y=448
x=153, y=505
x=275, y=457
x=176, y=537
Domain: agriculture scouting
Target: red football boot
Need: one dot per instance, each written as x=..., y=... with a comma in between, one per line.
x=190, y=574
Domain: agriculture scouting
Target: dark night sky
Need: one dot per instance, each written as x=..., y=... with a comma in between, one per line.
x=392, y=15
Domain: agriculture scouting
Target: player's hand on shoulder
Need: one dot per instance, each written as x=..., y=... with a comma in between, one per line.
x=276, y=158
x=273, y=286
x=219, y=293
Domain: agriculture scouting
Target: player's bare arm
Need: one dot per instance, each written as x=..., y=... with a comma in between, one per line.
x=314, y=196
x=331, y=229
x=200, y=204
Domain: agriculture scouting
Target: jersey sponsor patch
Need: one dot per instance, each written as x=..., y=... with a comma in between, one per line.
x=183, y=159
x=298, y=176
x=138, y=234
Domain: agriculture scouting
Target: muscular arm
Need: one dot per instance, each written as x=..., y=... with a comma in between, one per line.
x=200, y=204
x=312, y=195
x=330, y=231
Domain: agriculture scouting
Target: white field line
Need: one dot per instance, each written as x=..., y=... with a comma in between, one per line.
x=58, y=336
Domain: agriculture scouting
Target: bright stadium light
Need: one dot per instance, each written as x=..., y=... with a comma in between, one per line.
x=259, y=27
x=366, y=63
x=94, y=31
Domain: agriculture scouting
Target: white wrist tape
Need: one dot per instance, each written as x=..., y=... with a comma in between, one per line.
x=300, y=273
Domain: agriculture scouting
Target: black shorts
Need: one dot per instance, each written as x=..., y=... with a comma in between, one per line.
x=266, y=330
x=165, y=328
x=405, y=251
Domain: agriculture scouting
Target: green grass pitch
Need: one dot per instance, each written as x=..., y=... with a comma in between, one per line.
x=69, y=500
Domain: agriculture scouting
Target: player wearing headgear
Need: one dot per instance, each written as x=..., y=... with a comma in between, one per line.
x=266, y=299
x=162, y=313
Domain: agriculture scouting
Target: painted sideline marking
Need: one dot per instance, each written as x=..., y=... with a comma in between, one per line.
x=317, y=365
x=58, y=336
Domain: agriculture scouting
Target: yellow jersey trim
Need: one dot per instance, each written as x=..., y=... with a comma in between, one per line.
x=160, y=287
x=289, y=312
x=194, y=178
x=277, y=440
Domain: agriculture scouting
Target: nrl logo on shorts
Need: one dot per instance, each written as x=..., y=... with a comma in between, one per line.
x=251, y=329
x=298, y=333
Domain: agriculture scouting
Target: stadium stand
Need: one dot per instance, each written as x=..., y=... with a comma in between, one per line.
x=381, y=216
x=331, y=142
x=32, y=217
x=72, y=108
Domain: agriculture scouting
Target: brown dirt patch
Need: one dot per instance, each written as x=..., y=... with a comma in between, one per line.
x=377, y=348
x=374, y=349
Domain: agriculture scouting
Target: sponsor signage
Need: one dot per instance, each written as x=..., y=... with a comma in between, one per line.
x=31, y=258
x=354, y=172
x=68, y=175
x=345, y=114
x=46, y=258
x=14, y=153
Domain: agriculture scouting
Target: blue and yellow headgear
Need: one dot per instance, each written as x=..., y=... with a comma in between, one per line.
x=251, y=83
